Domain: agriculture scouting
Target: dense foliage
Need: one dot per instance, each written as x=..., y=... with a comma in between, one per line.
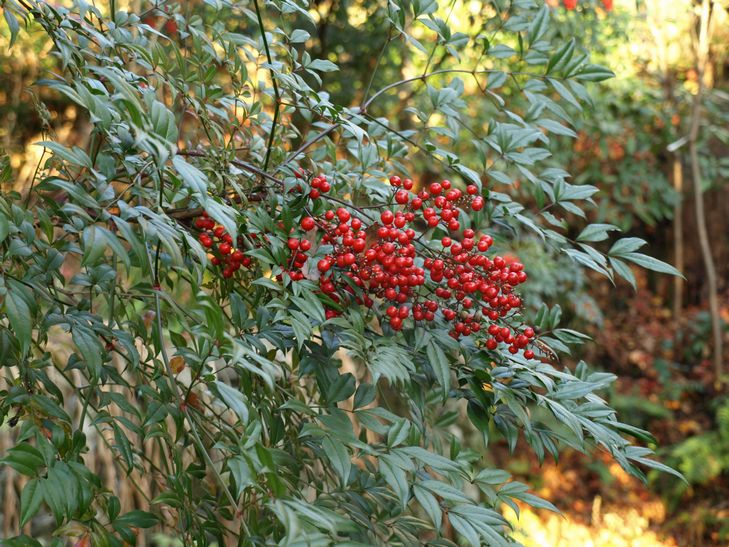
x=259, y=303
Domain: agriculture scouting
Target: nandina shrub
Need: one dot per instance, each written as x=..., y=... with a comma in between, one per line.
x=276, y=330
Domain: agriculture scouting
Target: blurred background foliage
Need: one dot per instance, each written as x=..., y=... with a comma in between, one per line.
x=626, y=145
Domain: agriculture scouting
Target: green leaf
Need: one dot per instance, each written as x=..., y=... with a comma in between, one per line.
x=596, y=232
x=339, y=458
x=396, y=478
x=364, y=395
x=193, y=178
x=489, y=524
x=556, y=128
x=94, y=245
x=234, y=399
x=398, y=432
x=322, y=65
x=74, y=156
x=20, y=317
x=6, y=169
x=341, y=388
x=653, y=464
x=24, y=458
x=299, y=36
x=565, y=93
x=445, y=491
x=124, y=446
x=436, y=461
x=30, y=500
x=564, y=416
x=562, y=56
x=593, y=73
x=56, y=492
x=301, y=326
x=538, y=25
x=241, y=473
x=465, y=529
x=163, y=122
x=636, y=432
x=310, y=305
x=626, y=245
x=4, y=227
x=651, y=263
x=136, y=519
x=441, y=367
x=430, y=504
x=13, y=25
x=586, y=260
x=623, y=270
x=89, y=346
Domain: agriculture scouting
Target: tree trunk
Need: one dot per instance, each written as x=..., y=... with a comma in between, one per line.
x=702, y=57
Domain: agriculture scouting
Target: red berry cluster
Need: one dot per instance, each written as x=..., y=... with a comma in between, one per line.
x=319, y=186
x=382, y=260
x=373, y=258
x=219, y=244
x=298, y=248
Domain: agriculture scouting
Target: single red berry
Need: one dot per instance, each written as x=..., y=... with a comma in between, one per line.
x=170, y=27
x=343, y=214
x=529, y=354
x=308, y=223
x=402, y=197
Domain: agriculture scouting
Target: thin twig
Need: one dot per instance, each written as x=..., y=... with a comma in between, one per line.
x=276, y=93
x=702, y=56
